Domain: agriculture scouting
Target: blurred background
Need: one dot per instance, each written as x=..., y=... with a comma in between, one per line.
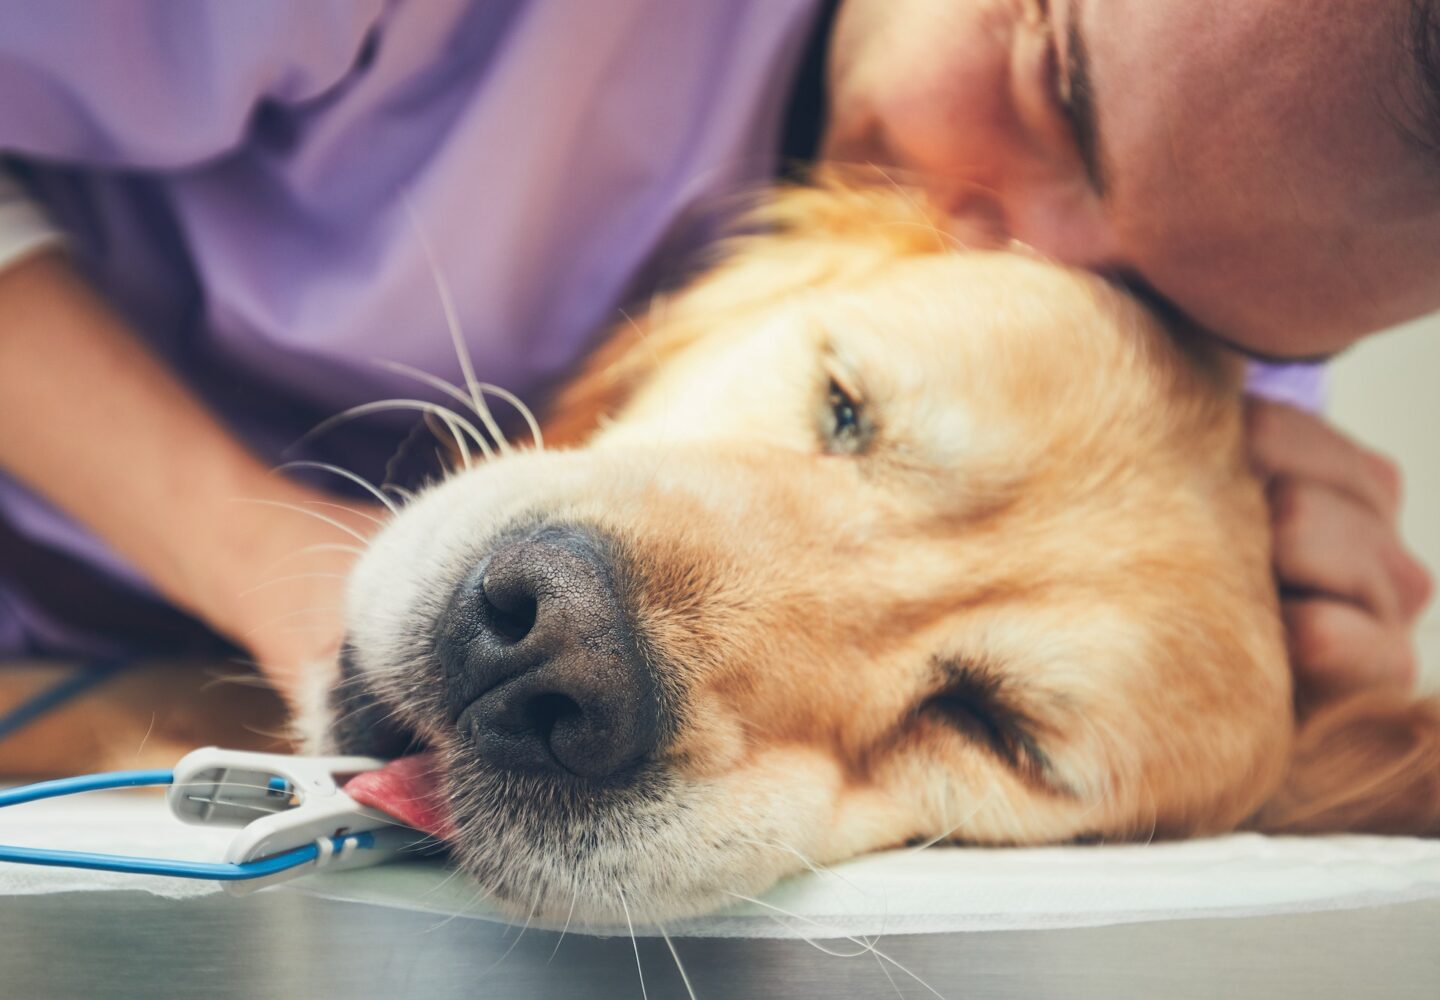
x=1386, y=392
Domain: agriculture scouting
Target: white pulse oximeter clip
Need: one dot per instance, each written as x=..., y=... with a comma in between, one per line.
x=293, y=814
x=282, y=803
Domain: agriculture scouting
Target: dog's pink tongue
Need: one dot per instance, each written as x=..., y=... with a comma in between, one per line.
x=408, y=789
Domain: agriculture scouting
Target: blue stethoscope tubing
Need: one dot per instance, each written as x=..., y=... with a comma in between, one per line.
x=220, y=871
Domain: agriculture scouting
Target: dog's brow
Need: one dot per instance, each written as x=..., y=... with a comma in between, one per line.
x=979, y=675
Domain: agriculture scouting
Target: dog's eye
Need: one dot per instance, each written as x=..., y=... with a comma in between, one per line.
x=846, y=430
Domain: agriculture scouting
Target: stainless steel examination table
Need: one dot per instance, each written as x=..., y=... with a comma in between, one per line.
x=1231, y=917
x=288, y=944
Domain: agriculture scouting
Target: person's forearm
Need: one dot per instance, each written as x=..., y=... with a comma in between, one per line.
x=90, y=420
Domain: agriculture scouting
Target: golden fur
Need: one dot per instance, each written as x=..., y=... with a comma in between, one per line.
x=1056, y=494
x=1028, y=600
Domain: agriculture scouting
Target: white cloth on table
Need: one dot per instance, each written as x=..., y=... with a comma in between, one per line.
x=940, y=890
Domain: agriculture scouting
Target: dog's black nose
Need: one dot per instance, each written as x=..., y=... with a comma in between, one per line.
x=542, y=664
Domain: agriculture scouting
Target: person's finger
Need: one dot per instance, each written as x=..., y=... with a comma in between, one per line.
x=1415, y=583
x=1336, y=648
x=1286, y=441
x=1326, y=541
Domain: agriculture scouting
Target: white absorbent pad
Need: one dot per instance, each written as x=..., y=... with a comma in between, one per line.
x=941, y=889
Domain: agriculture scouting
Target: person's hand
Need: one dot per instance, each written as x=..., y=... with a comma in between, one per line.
x=171, y=490
x=1350, y=591
x=282, y=589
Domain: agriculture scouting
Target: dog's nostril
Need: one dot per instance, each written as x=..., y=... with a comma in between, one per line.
x=511, y=612
x=545, y=711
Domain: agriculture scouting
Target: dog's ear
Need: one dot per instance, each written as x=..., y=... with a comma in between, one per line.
x=603, y=384
x=863, y=206
x=1368, y=763
x=835, y=229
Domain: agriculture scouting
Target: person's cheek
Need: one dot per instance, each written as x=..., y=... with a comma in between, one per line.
x=930, y=93
x=1063, y=218
x=951, y=125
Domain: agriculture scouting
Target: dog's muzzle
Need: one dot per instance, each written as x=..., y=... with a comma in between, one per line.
x=542, y=667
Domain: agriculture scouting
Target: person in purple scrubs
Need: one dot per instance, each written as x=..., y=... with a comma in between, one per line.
x=216, y=219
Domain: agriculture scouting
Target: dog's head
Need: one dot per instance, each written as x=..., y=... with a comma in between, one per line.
x=858, y=541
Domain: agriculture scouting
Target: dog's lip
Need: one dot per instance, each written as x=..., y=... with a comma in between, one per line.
x=411, y=789
x=363, y=725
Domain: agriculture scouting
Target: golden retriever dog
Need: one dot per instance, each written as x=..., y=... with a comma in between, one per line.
x=861, y=539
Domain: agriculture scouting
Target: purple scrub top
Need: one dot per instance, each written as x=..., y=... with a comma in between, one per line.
x=234, y=174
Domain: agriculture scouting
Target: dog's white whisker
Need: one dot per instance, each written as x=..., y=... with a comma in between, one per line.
x=822, y=871
x=434, y=381
x=685, y=978
x=352, y=550
x=146, y=738
x=1154, y=809
x=289, y=615
x=832, y=952
x=390, y=405
x=456, y=393
x=525, y=412
x=574, y=898
x=495, y=964
x=941, y=237
x=815, y=868
x=280, y=737
x=253, y=680
x=379, y=522
x=281, y=505
x=452, y=323
x=407, y=496
x=358, y=480
x=479, y=896
x=864, y=946
x=889, y=978
x=642, y=335
x=315, y=549
x=932, y=990
x=947, y=834
x=466, y=458
x=293, y=629
x=290, y=578
x=349, y=713
x=455, y=873
x=634, y=943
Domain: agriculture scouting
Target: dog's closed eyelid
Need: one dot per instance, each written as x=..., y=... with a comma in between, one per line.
x=843, y=378
x=988, y=722
x=971, y=700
